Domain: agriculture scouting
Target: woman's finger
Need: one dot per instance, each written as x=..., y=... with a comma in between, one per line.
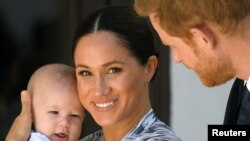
x=21, y=127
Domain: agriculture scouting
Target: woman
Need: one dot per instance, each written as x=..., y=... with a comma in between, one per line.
x=115, y=60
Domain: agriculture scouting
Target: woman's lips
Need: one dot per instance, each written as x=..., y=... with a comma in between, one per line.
x=104, y=106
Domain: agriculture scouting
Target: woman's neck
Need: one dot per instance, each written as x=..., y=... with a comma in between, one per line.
x=117, y=132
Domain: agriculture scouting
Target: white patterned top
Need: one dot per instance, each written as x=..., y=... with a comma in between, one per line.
x=150, y=128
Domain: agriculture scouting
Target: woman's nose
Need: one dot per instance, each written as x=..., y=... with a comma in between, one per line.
x=101, y=87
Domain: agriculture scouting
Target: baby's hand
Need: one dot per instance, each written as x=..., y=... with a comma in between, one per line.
x=21, y=128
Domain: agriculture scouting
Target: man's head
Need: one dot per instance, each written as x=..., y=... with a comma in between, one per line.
x=198, y=31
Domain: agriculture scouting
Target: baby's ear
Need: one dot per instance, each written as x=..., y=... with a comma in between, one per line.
x=32, y=113
x=32, y=119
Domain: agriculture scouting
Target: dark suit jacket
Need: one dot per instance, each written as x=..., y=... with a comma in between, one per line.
x=234, y=103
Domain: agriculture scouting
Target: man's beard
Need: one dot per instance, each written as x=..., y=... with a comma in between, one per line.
x=214, y=71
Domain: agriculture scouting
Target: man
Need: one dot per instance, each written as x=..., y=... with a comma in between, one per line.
x=211, y=37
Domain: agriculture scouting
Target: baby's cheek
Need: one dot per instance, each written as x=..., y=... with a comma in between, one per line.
x=76, y=129
x=77, y=122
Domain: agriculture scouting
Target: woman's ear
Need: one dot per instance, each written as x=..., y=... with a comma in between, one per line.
x=203, y=37
x=151, y=67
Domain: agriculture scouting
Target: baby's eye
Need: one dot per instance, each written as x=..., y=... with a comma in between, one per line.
x=54, y=112
x=75, y=115
x=114, y=70
x=85, y=73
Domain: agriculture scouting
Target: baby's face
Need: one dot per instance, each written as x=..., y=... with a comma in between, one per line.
x=58, y=113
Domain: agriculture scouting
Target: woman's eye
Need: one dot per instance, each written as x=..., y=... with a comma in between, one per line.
x=54, y=112
x=114, y=70
x=85, y=73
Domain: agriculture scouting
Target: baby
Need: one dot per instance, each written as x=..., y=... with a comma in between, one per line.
x=56, y=109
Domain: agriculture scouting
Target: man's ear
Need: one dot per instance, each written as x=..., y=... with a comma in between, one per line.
x=203, y=37
x=151, y=67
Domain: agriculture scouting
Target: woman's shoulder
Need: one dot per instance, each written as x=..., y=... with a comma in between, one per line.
x=151, y=128
x=96, y=136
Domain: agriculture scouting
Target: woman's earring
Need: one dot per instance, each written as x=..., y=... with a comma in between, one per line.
x=148, y=80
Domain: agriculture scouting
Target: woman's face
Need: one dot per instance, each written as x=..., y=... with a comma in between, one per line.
x=112, y=85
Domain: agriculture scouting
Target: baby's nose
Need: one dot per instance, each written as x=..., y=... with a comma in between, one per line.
x=64, y=122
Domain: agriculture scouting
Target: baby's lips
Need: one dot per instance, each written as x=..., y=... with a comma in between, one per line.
x=61, y=135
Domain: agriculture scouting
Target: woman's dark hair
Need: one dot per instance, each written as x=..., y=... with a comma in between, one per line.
x=123, y=21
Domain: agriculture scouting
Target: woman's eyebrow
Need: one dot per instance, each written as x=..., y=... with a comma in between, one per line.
x=113, y=62
x=81, y=66
x=104, y=65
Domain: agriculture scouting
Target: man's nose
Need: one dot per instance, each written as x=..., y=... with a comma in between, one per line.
x=176, y=57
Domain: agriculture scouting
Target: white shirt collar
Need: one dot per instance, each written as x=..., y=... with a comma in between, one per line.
x=247, y=83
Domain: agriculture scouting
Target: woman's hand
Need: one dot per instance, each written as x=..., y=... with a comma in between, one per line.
x=21, y=128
